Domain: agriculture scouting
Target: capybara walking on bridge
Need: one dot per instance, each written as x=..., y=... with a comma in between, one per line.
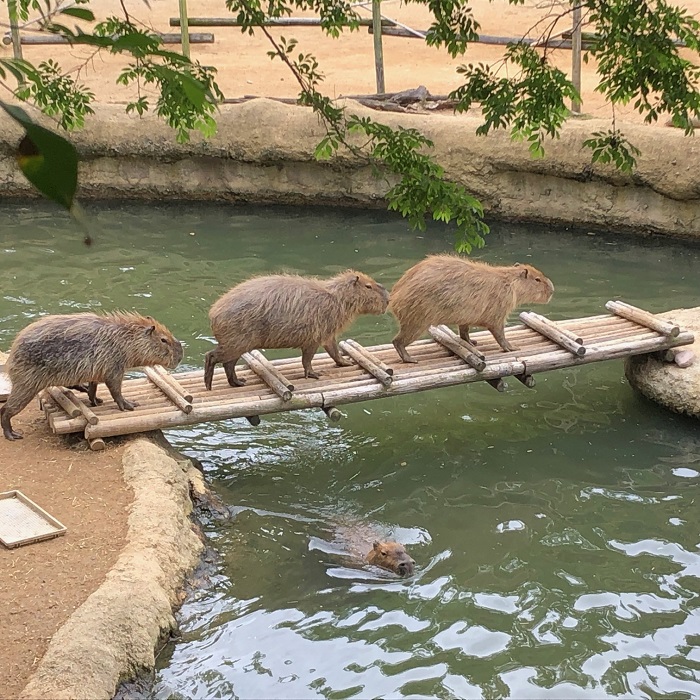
x=453, y=290
x=83, y=348
x=289, y=311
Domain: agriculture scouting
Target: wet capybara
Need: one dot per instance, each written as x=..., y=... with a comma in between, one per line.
x=289, y=311
x=452, y=290
x=392, y=556
x=83, y=348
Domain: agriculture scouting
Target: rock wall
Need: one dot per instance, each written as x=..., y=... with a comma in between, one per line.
x=263, y=152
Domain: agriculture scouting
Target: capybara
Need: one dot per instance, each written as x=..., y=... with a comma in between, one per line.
x=289, y=311
x=392, y=556
x=452, y=290
x=83, y=348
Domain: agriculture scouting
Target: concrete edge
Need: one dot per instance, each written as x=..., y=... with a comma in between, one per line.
x=113, y=635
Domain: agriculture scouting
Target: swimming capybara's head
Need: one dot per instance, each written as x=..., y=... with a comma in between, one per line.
x=360, y=292
x=392, y=556
x=532, y=286
x=157, y=345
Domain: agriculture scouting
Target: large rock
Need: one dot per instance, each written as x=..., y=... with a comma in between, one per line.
x=665, y=383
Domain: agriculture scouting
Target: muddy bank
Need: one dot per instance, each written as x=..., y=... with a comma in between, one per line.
x=113, y=635
x=263, y=153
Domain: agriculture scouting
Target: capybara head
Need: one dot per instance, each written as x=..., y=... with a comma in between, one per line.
x=361, y=293
x=532, y=286
x=159, y=345
x=392, y=556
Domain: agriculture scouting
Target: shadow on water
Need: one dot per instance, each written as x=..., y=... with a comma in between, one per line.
x=555, y=529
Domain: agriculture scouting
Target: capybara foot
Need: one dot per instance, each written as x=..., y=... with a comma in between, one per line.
x=11, y=434
x=342, y=362
x=236, y=382
x=96, y=402
x=310, y=374
x=508, y=347
x=125, y=405
x=403, y=353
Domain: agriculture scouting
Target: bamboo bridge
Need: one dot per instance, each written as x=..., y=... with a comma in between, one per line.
x=173, y=400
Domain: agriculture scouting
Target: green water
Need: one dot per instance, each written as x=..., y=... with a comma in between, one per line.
x=555, y=529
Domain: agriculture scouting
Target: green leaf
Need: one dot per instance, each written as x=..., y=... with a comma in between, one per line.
x=47, y=160
x=79, y=13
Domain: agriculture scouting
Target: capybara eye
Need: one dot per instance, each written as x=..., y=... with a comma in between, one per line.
x=369, y=286
x=538, y=279
x=164, y=340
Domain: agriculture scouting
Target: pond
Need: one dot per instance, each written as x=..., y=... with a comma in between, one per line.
x=555, y=528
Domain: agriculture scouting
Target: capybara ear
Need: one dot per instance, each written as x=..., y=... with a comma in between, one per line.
x=524, y=273
x=357, y=280
x=516, y=265
x=150, y=329
x=376, y=545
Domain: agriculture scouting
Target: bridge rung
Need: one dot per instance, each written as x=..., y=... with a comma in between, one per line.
x=562, y=337
x=367, y=361
x=643, y=318
x=373, y=358
x=445, y=337
x=158, y=380
x=269, y=374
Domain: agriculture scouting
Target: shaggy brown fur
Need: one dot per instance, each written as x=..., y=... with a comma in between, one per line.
x=391, y=556
x=289, y=311
x=76, y=348
x=452, y=290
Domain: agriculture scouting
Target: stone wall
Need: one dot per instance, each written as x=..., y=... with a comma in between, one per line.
x=263, y=152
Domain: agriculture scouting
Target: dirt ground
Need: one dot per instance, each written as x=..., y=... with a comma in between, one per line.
x=348, y=62
x=43, y=583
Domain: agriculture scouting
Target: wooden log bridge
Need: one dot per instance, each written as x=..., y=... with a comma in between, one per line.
x=172, y=400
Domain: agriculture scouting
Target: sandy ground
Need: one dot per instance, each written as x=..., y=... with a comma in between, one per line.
x=43, y=583
x=348, y=63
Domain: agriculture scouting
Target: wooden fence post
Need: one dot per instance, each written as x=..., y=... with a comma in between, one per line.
x=576, y=54
x=184, y=29
x=378, y=51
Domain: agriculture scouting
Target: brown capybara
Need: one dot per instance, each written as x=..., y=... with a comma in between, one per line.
x=83, y=348
x=289, y=311
x=452, y=290
x=392, y=556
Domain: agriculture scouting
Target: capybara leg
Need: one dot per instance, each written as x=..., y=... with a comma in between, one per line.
x=230, y=369
x=210, y=360
x=464, y=334
x=334, y=351
x=92, y=394
x=307, y=355
x=115, y=388
x=405, y=337
x=500, y=336
x=16, y=401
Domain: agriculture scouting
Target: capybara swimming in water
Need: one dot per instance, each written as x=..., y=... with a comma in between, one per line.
x=78, y=348
x=392, y=556
x=289, y=311
x=452, y=290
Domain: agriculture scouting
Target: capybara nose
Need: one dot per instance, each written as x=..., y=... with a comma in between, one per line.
x=406, y=568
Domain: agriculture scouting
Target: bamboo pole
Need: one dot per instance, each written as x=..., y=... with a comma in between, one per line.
x=269, y=374
x=643, y=318
x=157, y=379
x=463, y=350
x=176, y=386
x=96, y=444
x=498, y=384
x=362, y=349
x=184, y=29
x=367, y=363
x=333, y=413
x=268, y=22
x=549, y=330
x=67, y=404
x=378, y=49
x=576, y=54
x=569, y=334
x=85, y=410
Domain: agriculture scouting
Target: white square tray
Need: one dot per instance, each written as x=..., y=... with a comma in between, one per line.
x=23, y=522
